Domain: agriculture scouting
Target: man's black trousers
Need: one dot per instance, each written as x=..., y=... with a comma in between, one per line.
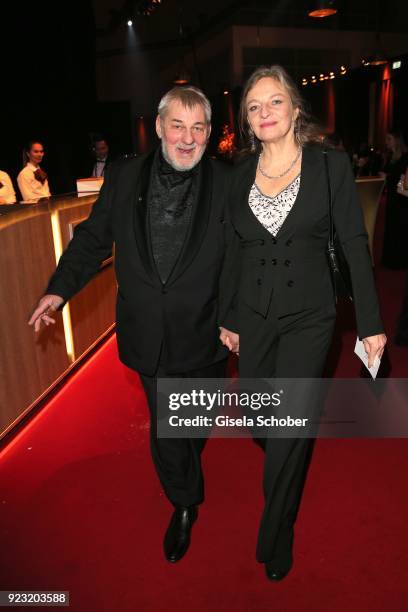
x=178, y=460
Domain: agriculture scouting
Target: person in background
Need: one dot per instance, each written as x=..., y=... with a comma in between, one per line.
x=401, y=337
x=100, y=150
x=375, y=162
x=7, y=193
x=32, y=180
x=335, y=141
x=395, y=247
x=361, y=161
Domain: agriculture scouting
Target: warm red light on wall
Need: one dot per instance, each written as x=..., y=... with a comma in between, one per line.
x=141, y=136
x=331, y=109
x=385, y=105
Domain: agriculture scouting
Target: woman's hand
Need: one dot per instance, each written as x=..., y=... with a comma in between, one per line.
x=374, y=346
x=230, y=339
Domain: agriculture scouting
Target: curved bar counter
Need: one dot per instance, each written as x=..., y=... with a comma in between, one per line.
x=32, y=238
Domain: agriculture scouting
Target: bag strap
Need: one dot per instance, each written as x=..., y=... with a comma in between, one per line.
x=329, y=192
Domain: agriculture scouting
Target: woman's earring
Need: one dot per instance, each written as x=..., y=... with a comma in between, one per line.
x=296, y=127
x=251, y=139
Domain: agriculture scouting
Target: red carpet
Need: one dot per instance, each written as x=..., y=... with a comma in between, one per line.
x=82, y=510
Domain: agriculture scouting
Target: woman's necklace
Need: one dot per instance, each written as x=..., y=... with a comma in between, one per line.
x=283, y=173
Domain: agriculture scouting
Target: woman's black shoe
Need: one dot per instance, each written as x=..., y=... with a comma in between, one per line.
x=282, y=561
x=274, y=574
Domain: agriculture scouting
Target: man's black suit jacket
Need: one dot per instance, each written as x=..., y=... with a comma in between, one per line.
x=184, y=313
x=292, y=268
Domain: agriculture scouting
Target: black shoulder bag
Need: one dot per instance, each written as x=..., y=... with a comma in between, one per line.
x=339, y=269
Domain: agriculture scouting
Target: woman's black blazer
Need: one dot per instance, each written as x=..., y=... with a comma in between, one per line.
x=292, y=268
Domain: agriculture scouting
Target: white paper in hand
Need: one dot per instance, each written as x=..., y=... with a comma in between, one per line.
x=361, y=353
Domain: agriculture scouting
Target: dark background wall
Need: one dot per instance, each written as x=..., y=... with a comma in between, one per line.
x=48, y=85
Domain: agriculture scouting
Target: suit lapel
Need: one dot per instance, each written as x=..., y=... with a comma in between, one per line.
x=301, y=205
x=141, y=217
x=243, y=187
x=199, y=220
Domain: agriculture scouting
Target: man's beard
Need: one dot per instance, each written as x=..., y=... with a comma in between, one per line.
x=176, y=165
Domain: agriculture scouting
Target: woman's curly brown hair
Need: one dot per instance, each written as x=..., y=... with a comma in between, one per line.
x=306, y=129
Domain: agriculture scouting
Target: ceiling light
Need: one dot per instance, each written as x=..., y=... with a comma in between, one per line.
x=322, y=8
x=181, y=78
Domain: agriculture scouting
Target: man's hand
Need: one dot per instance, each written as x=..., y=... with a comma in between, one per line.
x=230, y=339
x=374, y=345
x=47, y=304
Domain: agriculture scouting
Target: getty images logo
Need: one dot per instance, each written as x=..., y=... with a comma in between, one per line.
x=208, y=401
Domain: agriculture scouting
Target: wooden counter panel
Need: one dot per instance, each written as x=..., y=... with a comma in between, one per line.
x=70, y=217
x=29, y=362
x=93, y=309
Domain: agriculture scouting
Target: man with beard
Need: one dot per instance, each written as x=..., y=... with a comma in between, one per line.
x=165, y=214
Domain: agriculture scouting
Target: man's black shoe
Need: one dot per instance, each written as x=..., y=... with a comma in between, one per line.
x=177, y=538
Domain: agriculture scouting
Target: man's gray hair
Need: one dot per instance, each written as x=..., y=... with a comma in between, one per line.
x=189, y=97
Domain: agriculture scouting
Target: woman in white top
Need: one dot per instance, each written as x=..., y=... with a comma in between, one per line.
x=7, y=193
x=32, y=180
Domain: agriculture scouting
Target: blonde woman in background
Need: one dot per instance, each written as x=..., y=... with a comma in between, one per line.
x=7, y=193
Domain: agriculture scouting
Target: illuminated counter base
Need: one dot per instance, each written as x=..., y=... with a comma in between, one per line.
x=31, y=241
